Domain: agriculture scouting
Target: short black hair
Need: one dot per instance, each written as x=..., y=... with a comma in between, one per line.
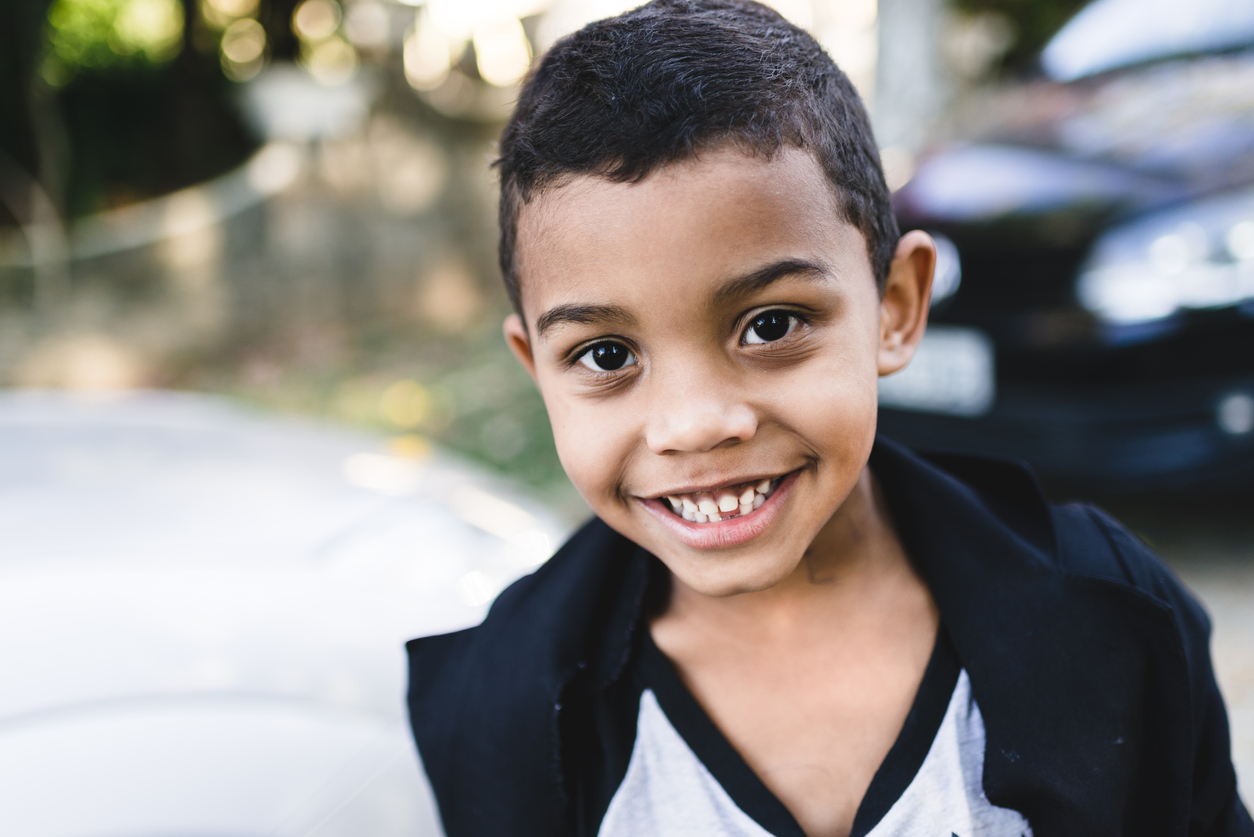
x=625, y=96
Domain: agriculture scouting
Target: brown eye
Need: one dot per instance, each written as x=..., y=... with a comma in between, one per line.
x=607, y=357
x=769, y=326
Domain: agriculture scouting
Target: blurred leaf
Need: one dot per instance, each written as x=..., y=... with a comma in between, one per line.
x=107, y=34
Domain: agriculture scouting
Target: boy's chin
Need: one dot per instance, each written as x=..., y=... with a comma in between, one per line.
x=721, y=576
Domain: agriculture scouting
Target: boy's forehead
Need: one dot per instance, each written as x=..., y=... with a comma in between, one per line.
x=585, y=203
x=716, y=213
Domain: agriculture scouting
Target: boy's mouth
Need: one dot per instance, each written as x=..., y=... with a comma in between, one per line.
x=722, y=503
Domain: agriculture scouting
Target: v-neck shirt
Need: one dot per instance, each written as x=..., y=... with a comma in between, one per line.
x=683, y=777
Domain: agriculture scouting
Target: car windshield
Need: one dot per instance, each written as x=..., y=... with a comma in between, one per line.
x=1108, y=34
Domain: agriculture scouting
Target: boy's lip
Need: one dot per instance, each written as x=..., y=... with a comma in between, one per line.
x=713, y=487
x=728, y=532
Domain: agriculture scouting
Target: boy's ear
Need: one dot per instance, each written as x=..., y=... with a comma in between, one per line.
x=907, y=295
x=520, y=343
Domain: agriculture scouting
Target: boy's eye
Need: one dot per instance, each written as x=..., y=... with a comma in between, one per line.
x=606, y=357
x=770, y=326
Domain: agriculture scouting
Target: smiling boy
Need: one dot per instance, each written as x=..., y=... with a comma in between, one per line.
x=778, y=624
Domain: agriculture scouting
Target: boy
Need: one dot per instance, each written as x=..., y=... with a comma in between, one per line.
x=778, y=624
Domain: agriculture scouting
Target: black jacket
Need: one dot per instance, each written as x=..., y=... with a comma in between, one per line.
x=1088, y=659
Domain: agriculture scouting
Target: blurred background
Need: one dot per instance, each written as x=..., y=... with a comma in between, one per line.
x=290, y=202
x=250, y=321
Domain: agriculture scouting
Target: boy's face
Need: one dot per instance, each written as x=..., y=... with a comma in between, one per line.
x=713, y=334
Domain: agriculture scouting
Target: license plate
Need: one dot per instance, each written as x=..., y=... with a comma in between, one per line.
x=951, y=373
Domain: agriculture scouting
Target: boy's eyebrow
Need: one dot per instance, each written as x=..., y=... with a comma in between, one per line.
x=735, y=289
x=583, y=314
x=750, y=283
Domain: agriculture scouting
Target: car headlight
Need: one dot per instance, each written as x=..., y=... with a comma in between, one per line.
x=1192, y=257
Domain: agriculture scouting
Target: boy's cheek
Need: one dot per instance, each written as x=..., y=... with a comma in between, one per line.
x=591, y=450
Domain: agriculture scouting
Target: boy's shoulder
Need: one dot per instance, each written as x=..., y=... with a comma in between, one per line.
x=1077, y=539
x=991, y=513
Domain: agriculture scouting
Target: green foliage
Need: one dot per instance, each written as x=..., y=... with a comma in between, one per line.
x=109, y=34
x=1035, y=22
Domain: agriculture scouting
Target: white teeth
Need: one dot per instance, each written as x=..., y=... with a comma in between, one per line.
x=713, y=506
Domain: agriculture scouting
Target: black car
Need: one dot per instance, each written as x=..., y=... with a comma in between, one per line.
x=1094, y=303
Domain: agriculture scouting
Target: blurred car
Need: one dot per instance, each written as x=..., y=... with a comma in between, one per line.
x=1094, y=302
x=203, y=611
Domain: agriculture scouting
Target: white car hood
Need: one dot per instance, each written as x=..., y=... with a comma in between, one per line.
x=203, y=611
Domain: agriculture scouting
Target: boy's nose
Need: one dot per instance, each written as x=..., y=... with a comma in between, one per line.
x=695, y=425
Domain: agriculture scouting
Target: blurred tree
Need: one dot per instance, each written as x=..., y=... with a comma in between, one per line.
x=102, y=34
x=21, y=40
x=106, y=101
x=1034, y=22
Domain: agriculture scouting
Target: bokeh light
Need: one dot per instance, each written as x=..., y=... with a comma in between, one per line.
x=222, y=13
x=502, y=52
x=426, y=54
x=332, y=62
x=243, y=49
x=1240, y=240
x=405, y=404
x=367, y=25
x=324, y=51
x=316, y=20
